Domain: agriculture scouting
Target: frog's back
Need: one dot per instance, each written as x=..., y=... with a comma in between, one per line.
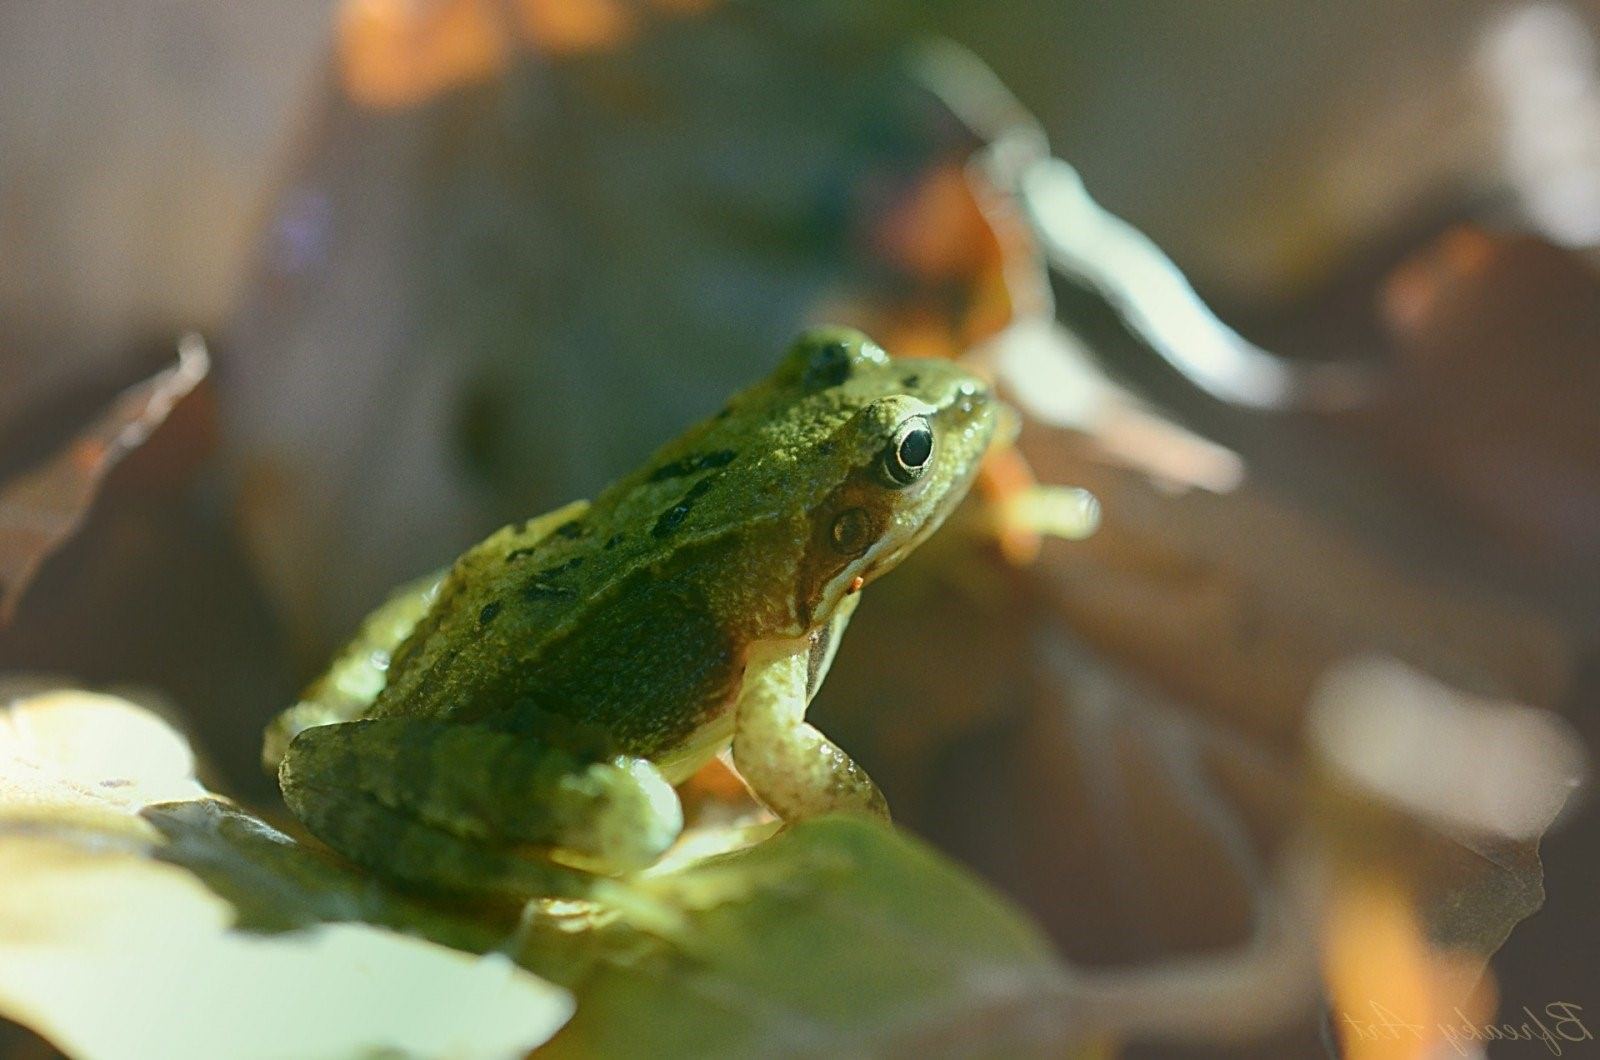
x=612, y=613
x=526, y=629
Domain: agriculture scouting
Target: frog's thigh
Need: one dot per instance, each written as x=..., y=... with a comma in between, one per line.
x=792, y=768
x=396, y=793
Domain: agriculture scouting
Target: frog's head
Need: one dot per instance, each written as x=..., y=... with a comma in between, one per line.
x=893, y=446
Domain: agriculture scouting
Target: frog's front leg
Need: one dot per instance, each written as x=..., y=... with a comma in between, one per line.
x=473, y=809
x=793, y=769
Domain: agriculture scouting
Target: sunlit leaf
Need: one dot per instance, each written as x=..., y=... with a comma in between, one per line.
x=109, y=951
x=125, y=914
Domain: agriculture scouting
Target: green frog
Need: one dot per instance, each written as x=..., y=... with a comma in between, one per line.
x=515, y=725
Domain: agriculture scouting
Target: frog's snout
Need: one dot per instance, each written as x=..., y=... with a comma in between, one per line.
x=975, y=408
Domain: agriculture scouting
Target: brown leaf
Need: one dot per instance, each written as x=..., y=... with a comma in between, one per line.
x=41, y=509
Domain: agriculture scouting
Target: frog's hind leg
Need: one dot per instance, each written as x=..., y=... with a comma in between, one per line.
x=470, y=809
x=357, y=674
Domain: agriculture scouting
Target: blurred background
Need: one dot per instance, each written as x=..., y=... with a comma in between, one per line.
x=1295, y=727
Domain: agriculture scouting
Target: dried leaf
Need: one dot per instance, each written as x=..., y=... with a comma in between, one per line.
x=43, y=508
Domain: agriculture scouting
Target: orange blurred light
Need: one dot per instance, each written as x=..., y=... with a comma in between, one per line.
x=715, y=780
x=1005, y=474
x=938, y=231
x=974, y=267
x=1413, y=291
x=919, y=330
x=88, y=454
x=1393, y=994
x=563, y=27
x=396, y=53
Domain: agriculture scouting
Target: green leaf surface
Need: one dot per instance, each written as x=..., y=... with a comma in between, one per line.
x=836, y=937
x=141, y=915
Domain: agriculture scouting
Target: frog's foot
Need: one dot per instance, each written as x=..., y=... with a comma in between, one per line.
x=469, y=809
x=791, y=767
x=1067, y=512
x=1022, y=511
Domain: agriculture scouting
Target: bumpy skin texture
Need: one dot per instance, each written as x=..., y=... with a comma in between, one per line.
x=567, y=669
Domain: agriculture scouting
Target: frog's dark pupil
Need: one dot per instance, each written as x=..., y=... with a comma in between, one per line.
x=909, y=452
x=916, y=447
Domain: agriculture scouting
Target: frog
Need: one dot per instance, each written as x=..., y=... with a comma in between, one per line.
x=515, y=725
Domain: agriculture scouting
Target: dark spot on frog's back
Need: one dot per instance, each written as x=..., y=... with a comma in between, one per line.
x=540, y=589
x=829, y=366
x=570, y=530
x=674, y=516
x=613, y=541
x=910, y=382
x=490, y=609
x=546, y=584
x=691, y=465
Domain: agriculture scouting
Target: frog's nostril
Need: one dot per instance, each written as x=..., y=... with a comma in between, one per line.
x=971, y=399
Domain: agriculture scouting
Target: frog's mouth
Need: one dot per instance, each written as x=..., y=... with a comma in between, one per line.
x=886, y=555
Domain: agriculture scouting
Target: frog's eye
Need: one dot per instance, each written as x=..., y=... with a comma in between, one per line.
x=851, y=532
x=909, y=453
